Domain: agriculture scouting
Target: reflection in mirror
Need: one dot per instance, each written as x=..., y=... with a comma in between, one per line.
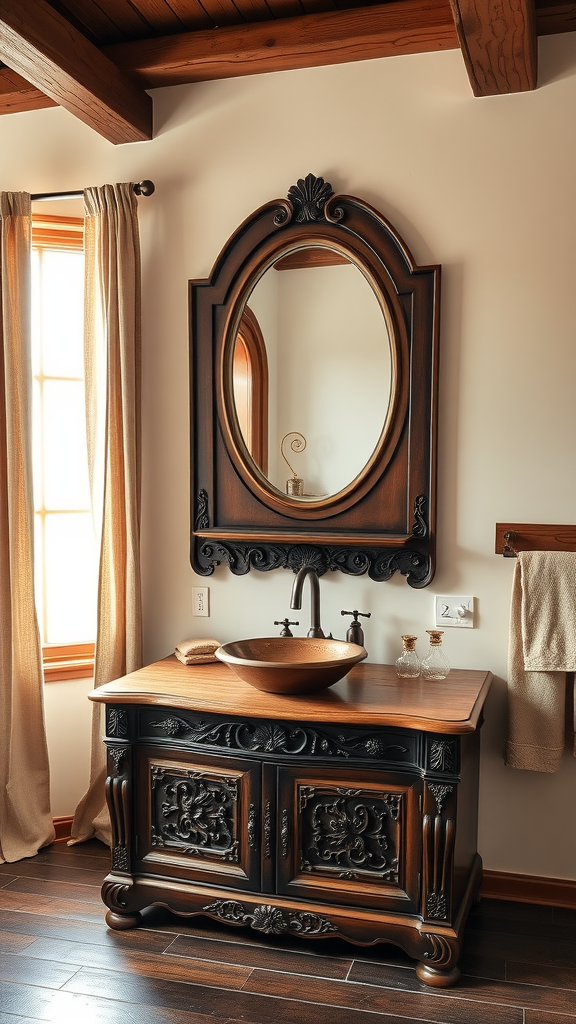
x=250, y=383
x=325, y=344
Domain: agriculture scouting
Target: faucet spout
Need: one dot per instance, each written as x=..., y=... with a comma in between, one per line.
x=296, y=598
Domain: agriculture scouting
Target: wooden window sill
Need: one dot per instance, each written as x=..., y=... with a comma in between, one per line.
x=67, y=661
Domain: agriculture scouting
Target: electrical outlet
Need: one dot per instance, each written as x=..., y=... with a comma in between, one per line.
x=454, y=610
x=201, y=601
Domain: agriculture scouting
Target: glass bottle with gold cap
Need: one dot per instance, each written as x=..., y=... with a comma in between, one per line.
x=435, y=665
x=408, y=664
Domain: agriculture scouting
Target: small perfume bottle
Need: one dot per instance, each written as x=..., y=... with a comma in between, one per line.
x=435, y=665
x=408, y=664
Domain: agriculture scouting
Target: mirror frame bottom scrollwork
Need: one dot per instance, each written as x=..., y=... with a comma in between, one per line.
x=384, y=521
x=379, y=563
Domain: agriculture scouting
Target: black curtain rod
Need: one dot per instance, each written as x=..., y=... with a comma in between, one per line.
x=141, y=188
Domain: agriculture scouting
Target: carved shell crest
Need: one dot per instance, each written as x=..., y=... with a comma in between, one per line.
x=309, y=197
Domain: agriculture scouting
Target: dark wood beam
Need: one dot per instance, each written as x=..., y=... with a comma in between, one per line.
x=552, y=17
x=16, y=94
x=498, y=43
x=57, y=59
x=312, y=40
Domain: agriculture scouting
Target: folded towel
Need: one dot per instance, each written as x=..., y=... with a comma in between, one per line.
x=542, y=650
x=194, y=659
x=197, y=652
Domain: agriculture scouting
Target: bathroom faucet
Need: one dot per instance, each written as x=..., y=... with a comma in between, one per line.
x=296, y=598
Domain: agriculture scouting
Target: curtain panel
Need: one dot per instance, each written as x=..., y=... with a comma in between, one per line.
x=112, y=363
x=25, y=818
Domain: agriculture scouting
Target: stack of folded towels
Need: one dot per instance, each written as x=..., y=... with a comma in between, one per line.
x=196, y=652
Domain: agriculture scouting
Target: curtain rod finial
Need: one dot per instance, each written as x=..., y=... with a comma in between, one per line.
x=144, y=188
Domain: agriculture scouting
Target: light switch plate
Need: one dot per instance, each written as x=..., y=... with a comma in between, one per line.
x=454, y=610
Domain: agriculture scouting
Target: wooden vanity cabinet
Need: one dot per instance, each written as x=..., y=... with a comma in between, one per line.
x=352, y=812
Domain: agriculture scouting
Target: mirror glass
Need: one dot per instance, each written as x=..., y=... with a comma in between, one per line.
x=312, y=373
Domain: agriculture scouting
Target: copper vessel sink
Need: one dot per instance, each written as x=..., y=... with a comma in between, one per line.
x=290, y=664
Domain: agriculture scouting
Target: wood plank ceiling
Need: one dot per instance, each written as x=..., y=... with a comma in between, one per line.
x=98, y=57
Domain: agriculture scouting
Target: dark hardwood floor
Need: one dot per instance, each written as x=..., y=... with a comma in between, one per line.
x=59, y=962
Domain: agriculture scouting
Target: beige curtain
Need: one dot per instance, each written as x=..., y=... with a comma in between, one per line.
x=112, y=362
x=25, y=819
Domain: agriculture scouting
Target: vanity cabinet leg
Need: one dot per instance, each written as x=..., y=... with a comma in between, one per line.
x=438, y=966
x=436, y=977
x=120, y=922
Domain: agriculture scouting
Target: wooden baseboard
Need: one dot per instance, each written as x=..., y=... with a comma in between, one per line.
x=63, y=827
x=553, y=892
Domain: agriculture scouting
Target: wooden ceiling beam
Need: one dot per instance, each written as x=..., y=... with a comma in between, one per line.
x=498, y=43
x=16, y=94
x=52, y=55
x=311, y=40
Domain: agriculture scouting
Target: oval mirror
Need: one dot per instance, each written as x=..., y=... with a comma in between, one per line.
x=313, y=373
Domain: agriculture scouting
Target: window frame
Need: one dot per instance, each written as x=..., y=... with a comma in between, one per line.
x=75, y=660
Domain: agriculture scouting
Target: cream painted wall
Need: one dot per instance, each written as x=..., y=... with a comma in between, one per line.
x=482, y=186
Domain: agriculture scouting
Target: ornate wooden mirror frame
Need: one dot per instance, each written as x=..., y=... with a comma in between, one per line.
x=384, y=520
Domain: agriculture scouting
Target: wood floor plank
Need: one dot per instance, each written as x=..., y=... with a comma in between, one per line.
x=245, y=1006
x=47, y=974
x=556, y=952
x=46, y=905
x=479, y=989
x=151, y=965
x=293, y=961
x=451, y=1009
x=541, y=1017
x=60, y=890
x=51, y=872
x=10, y=1018
x=12, y=943
x=534, y=974
x=33, y=925
x=59, y=1006
x=83, y=856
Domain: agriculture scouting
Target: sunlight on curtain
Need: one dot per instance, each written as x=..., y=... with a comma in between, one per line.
x=25, y=820
x=112, y=358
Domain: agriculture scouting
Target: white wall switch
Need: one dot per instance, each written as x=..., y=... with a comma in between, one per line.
x=201, y=601
x=454, y=610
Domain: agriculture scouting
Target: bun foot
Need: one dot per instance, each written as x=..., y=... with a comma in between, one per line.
x=437, y=978
x=122, y=921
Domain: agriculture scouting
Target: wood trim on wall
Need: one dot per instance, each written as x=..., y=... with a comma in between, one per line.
x=63, y=827
x=67, y=661
x=506, y=885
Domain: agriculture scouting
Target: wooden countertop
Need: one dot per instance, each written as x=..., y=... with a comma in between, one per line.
x=368, y=695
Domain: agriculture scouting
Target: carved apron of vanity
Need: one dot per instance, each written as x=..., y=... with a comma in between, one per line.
x=352, y=812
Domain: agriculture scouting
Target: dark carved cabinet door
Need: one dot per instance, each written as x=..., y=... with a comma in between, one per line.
x=198, y=817
x=349, y=837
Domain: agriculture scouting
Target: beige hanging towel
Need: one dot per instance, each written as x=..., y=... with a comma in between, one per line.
x=542, y=651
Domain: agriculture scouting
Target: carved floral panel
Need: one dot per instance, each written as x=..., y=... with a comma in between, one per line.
x=195, y=813
x=350, y=833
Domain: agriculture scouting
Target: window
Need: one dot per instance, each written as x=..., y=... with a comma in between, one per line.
x=65, y=550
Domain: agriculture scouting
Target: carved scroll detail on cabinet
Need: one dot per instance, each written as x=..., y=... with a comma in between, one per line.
x=352, y=832
x=438, y=837
x=442, y=756
x=251, y=827
x=118, y=800
x=272, y=737
x=267, y=830
x=114, y=895
x=117, y=723
x=271, y=920
x=195, y=813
